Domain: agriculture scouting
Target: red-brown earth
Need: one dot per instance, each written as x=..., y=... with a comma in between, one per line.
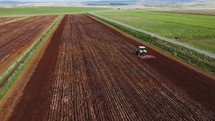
x=89, y=72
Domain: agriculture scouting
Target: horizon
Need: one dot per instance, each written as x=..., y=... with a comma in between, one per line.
x=98, y=0
x=125, y=2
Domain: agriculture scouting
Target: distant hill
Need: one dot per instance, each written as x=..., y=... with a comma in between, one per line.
x=168, y=2
x=210, y=2
x=111, y=2
x=148, y=2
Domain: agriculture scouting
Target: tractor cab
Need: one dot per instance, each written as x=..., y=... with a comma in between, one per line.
x=141, y=50
x=141, y=53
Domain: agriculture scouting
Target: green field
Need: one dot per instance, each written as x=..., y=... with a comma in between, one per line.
x=46, y=10
x=196, y=30
x=208, y=44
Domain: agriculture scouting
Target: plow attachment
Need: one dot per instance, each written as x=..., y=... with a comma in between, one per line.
x=145, y=57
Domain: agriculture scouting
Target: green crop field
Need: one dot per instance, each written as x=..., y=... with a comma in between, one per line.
x=196, y=30
x=208, y=44
x=46, y=10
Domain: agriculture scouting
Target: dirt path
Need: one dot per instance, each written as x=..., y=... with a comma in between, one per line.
x=89, y=72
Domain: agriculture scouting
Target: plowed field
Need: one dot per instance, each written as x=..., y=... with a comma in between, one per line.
x=5, y=19
x=89, y=72
x=14, y=36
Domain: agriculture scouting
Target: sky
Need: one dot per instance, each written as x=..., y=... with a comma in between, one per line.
x=82, y=0
x=144, y=1
x=50, y=0
x=64, y=0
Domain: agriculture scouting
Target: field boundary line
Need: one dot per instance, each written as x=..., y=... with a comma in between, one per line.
x=7, y=22
x=212, y=55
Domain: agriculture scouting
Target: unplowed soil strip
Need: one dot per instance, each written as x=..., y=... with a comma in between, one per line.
x=16, y=36
x=89, y=72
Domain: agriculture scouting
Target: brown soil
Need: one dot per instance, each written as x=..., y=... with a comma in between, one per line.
x=17, y=36
x=89, y=72
x=12, y=97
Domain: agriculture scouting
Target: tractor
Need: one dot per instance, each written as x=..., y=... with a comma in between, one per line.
x=142, y=53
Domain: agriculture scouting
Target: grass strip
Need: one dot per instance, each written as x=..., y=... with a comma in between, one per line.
x=10, y=74
x=199, y=60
